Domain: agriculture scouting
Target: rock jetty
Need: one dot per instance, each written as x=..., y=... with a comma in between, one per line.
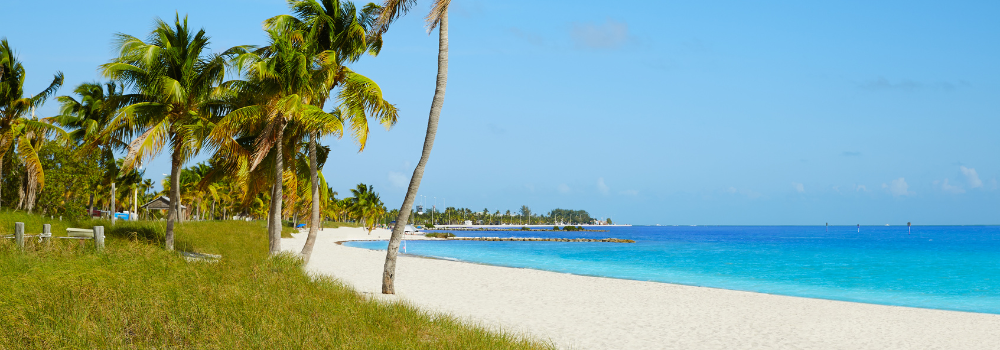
x=529, y=239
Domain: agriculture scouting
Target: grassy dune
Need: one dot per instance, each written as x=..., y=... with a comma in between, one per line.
x=136, y=295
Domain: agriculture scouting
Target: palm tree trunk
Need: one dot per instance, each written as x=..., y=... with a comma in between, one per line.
x=314, y=217
x=389, y=273
x=1, y=182
x=21, y=184
x=173, y=212
x=274, y=236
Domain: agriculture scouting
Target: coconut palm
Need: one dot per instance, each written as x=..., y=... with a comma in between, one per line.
x=21, y=132
x=85, y=121
x=274, y=107
x=365, y=206
x=337, y=31
x=391, y=10
x=177, y=79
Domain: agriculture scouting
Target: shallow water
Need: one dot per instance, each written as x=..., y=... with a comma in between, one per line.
x=939, y=267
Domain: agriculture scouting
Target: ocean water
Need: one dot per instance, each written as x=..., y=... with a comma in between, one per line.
x=938, y=267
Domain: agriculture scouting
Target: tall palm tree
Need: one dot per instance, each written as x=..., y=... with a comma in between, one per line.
x=337, y=30
x=20, y=133
x=438, y=17
x=275, y=108
x=177, y=80
x=86, y=119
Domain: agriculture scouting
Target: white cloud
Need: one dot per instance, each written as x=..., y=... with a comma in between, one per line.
x=743, y=192
x=898, y=187
x=951, y=189
x=799, y=187
x=564, y=189
x=972, y=177
x=398, y=179
x=601, y=186
x=609, y=35
x=629, y=192
x=860, y=188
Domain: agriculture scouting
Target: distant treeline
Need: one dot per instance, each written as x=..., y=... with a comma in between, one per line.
x=522, y=216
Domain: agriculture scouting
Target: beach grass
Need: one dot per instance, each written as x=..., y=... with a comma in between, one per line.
x=137, y=295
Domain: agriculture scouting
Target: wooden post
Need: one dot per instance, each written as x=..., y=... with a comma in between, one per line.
x=19, y=235
x=99, y=238
x=47, y=234
x=113, y=204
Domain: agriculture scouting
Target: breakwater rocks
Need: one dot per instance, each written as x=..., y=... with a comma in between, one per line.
x=523, y=239
x=509, y=229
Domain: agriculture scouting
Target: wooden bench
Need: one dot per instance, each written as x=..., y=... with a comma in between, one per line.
x=79, y=233
x=96, y=234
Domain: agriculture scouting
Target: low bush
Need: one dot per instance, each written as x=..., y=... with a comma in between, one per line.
x=440, y=235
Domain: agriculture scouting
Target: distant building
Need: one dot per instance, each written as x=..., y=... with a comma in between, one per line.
x=162, y=203
x=468, y=222
x=420, y=209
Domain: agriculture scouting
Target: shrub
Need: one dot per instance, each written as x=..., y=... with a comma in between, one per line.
x=555, y=228
x=429, y=226
x=440, y=235
x=525, y=228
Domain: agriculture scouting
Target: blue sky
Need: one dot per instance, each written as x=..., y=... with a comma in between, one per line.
x=661, y=112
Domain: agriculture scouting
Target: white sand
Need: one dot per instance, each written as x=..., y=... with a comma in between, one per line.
x=580, y=312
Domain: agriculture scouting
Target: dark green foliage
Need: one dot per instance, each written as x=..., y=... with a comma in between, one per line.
x=571, y=216
x=573, y=228
x=525, y=228
x=69, y=178
x=440, y=235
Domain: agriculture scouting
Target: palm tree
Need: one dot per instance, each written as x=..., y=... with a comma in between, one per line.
x=275, y=108
x=19, y=134
x=177, y=81
x=366, y=207
x=337, y=32
x=391, y=10
x=86, y=119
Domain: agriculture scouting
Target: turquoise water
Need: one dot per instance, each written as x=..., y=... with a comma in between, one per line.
x=938, y=267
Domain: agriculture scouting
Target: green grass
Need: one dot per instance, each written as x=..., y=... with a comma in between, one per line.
x=137, y=295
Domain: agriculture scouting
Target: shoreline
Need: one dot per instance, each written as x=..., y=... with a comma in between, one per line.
x=596, y=312
x=341, y=243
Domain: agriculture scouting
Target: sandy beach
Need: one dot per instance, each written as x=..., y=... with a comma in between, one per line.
x=582, y=312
